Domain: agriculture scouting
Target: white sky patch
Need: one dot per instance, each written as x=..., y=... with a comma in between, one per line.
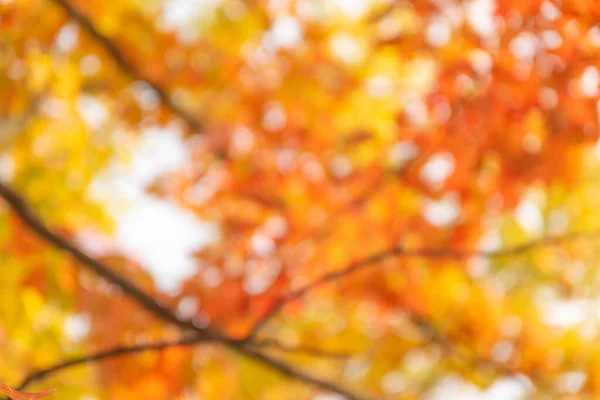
x=565, y=313
x=437, y=169
x=402, y=152
x=442, y=112
x=67, y=38
x=524, y=46
x=416, y=110
x=438, y=31
x=463, y=84
x=77, y=327
x=481, y=61
x=490, y=241
x=177, y=13
x=95, y=243
x=274, y=118
x=572, y=382
x=550, y=11
x=90, y=65
x=597, y=116
x=421, y=77
x=146, y=97
x=340, y=167
x=310, y=9
x=182, y=16
x=551, y=39
x=187, y=307
x=346, y=48
x=242, y=140
x=285, y=32
x=312, y=169
x=162, y=237
x=380, y=86
x=7, y=166
x=92, y=111
x=502, y=351
x=155, y=232
x=275, y=227
x=508, y=388
x=54, y=107
x=212, y=276
x=286, y=160
x=443, y=212
x=454, y=387
x=529, y=217
x=480, y=16
x=354, y=9
x=417, y=360
x=593, y=36
x=260, y=275
x=597, y=146
x=590, y=79
x=206, y=187
x=329, y=397
x=453, y=12
x=393, y=383
x=388, y=28
x=558, y=222
x=161, y=151
x=262, y=245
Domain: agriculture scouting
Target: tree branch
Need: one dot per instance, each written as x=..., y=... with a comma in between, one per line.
x=286, y=370
x=431, y=253
x=246, y=347
x=104, y=355
x=127, y=66
x=27, y=215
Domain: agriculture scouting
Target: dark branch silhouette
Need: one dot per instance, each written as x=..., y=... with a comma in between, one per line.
x=27, y=215
x=247, y=347
x=431, y=253
x=127, y=66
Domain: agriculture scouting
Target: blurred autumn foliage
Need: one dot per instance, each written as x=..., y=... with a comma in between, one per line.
x=402, y=198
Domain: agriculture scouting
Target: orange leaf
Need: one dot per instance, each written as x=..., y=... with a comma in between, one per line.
x=15, y=395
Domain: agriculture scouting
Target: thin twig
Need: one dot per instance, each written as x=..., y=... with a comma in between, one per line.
x=246, y=347
x=105, y=355
x=431, y=253
x=127, y=66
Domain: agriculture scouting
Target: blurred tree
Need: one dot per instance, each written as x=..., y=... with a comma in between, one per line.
x=405, y=194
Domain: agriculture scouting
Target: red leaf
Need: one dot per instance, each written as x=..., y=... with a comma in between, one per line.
x=15, y=395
